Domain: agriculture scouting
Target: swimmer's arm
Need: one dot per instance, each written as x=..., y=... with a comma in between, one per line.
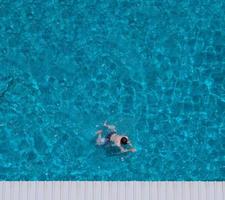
x=123, y=150
x=129, y=143
x=110, y=127
x=132, y=147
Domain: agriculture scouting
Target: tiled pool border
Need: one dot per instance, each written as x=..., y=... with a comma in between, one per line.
x=112, y=190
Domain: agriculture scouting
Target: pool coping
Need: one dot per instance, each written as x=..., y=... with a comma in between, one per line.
x=112, y=190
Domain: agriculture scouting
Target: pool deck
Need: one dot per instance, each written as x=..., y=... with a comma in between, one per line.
x=109, y=190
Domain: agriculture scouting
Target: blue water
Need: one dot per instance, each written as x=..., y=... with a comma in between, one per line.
x=155, y=69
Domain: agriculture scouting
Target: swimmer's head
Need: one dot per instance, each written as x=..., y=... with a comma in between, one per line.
x=124, y=140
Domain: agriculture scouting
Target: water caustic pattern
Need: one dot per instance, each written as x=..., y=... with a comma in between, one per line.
x=156, y=69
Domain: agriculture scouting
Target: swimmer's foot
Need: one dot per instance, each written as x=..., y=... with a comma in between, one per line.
x=99, y=132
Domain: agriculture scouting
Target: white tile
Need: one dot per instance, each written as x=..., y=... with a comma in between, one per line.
x=2, y=190
x=40, y=190
x=186, y=190
x=113, y=190
x=137, y=190
x=177, y=190
x=81, y=191
x=145, y=190
x=97, y=189
x=129, y=190
x=64, y=190
x=31, y=190
x=56, y=191
x=23, y=190
x=162, y=190
x=14, y=190
x=154, y=190
x=218, y=191
x=105, y=190
x=88, y=192
x=210, y=191
x=202, y=191
x=72, y=191
x=121, y=195
x=170, y=191
x=47, y=190
x=194, y=190
x=7, y=191
x=223, y=190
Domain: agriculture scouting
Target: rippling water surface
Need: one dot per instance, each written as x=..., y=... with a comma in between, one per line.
x=156, y=69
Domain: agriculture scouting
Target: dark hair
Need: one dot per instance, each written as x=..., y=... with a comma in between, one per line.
x=123, y=140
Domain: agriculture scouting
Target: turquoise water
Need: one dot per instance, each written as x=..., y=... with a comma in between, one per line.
x=155, y=69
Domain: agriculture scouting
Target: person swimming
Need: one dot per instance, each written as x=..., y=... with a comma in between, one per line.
x=120, y=141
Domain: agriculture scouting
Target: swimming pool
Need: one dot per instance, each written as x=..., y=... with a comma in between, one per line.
x=156, y=69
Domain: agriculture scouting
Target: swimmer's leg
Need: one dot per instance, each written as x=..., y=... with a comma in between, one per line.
x=99, y=132
x=100, y=140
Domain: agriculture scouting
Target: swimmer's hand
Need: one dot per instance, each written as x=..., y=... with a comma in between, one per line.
x=132, y=150
x=127, y=150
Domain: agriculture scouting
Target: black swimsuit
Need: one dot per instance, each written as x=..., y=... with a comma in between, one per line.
x=108, y=137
